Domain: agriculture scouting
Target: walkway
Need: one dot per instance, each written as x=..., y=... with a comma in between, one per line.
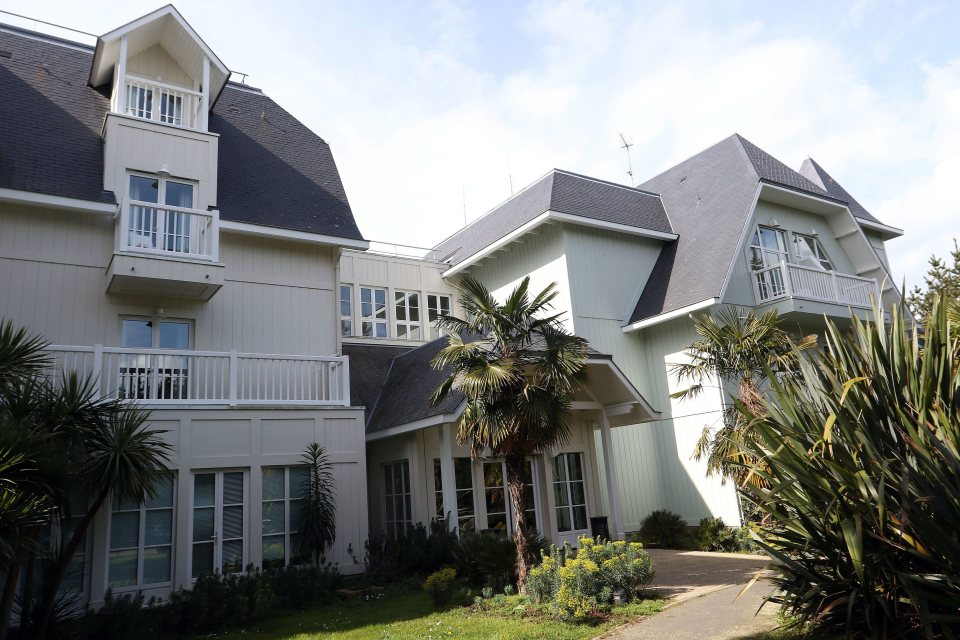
x=703, y=588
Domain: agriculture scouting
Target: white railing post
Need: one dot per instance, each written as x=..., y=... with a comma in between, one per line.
x=123, y=230
x=121, y=72
x=755, y=276
x=785, y=272
x=345, y=381
x=97, y=371
x=215, y=235
x=205, y=97
x=835, y=286
x=234, y=370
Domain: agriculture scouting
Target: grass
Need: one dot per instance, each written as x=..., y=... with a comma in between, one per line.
x=407, y=613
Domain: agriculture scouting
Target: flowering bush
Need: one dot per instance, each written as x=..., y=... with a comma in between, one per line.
x=440, y=586
x=577, y=586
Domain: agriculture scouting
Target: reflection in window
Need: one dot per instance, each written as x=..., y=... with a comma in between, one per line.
x=141, y=539
x=284, y=491
x=810, y=253
x=373, y=312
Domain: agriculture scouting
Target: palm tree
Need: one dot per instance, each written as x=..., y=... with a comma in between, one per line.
x=318, y=521
x=517, y=367
x=58, y=438
x=739, y=348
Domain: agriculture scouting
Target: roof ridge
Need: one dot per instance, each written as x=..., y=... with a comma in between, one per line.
x=606, y=182
x=44, y=37
x=383, y=386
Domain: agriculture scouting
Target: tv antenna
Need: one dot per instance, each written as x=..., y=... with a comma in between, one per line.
x=626, y=147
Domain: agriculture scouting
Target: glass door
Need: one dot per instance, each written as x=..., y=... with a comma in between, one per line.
x=219, y=522
x=768, y=249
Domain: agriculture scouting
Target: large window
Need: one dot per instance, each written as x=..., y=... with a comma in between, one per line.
x=219, y=522
x=284, y=490
x=495, y=496
x=396, y=492
x=153, y=226
x=810, y=253
x=346, y=310
x=406, y=312
x=768, y=249
x=437, y=306
x=149, y=376
x=569, y=492
x=463, y=481
x=141, y=539
x=373, y=312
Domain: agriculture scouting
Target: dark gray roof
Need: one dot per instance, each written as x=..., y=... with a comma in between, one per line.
x=815, y=173
x=369, y=365
x=273, y=171
x=708, y=199
x=408, y=388
x=561, y=192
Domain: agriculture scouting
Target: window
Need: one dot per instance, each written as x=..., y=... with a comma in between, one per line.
x=396, y=491
x=495, y=496
x=463, y=480
x=438, y=489
x=373, y=312
x=154, y=376
x=530, y=500
x=284, y=491
x=53, y=537
x=219, y=518
x=768, y=249
x=140, y=104
x=141, y=539
x=156, y=228
x=406, y=308
x=437, y=306
x=569, y=492
x=810, y=253
x=346, y=310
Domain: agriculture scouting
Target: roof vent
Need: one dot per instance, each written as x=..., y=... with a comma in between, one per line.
x=6, y=54
x=234, y=109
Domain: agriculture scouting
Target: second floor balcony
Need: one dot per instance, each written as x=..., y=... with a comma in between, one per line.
x=787, y=280
x=160, y=102
x=165, y=377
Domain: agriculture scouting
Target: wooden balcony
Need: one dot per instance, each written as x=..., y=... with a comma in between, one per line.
x=159, y=102
x=164, y=377
x=786, y=280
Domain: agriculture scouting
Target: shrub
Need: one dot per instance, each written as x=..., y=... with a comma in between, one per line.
x=440, y=586
x=484, y=558
x=665, y=529
x=575, y=587
x=124, y=616
x=714, y=535
x=419, y=552
x=863, y=451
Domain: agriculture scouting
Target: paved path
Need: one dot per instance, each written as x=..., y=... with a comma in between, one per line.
x=703, y=588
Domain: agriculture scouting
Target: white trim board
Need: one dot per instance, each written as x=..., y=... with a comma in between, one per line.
x=554, y=216
x=56, y=202
x=416, y=425
x=663, y=317
x=288, y=234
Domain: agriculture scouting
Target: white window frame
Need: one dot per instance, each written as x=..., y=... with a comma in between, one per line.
x=218, y=518
x=407, y=329
x=373, y=320
x=535, y=507
x=137, y=218
x=346, y=330
x=820, y=252
x=142, y=510
x=566, y=484
x=435, y=310
x=396, y=526
x=155, y=337
x=288, y=532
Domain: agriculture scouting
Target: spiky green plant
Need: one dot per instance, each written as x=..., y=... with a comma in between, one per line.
x=517, y=367
x=862, y=479
x=317, y=527
x=740, y=348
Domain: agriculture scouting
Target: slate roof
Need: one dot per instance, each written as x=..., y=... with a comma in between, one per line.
x=708, y=199
x=273, y=171
x=408, y=387
x=815, y=173
x=561, y=192
x=369, y=365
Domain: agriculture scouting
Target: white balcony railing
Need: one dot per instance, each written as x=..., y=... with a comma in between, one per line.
x=171, y=377
x=162, y=103
x=149, y=227
x=786, y=280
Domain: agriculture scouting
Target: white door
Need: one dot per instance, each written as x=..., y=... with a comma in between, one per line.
x=219, y=522
x=570, y=497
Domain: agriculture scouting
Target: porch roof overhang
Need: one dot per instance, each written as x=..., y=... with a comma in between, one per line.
x=607, y=389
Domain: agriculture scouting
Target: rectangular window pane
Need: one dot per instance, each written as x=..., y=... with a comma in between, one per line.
x=274, y=552
x=164, y=494
x=273, y=484
x=273, y=517
x=125, y=529
x=174, y=335
x=202, y=559
x=203, y=524
x=156, y=564
x=144, y=189
x=203, y=489
x=136, y=334
x=299, y=480
x=232, y=556
x=123, y=568
x=159, y=527
x=178, y=194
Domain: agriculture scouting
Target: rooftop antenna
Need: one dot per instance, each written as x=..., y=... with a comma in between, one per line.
x=626, y=147
x=509, y=173
x=463, y=191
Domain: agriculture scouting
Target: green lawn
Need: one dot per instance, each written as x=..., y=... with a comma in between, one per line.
x=405, y=613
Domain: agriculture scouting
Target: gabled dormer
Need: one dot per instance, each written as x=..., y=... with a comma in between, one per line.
x=159, y=70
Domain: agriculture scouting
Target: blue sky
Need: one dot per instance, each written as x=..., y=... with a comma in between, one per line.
x=433, y=109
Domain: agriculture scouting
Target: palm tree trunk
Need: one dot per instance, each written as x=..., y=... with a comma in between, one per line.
x=60, y=566
x=9, y=593
x=515, y=487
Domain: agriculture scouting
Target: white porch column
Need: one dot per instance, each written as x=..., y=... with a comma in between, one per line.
x=613, y=485
x=448, y=478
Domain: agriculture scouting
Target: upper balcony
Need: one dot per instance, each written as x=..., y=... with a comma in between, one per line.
x=159, y=102
x=786, y=280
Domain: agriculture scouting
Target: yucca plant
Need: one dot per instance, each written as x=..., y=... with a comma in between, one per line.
x=862, y=480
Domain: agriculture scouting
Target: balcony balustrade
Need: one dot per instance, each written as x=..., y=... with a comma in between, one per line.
x=786, y=280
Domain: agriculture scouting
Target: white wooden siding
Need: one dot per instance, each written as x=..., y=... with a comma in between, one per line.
x=155, y=64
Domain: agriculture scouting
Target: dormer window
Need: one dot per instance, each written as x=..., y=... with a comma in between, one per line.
x=810, y=253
